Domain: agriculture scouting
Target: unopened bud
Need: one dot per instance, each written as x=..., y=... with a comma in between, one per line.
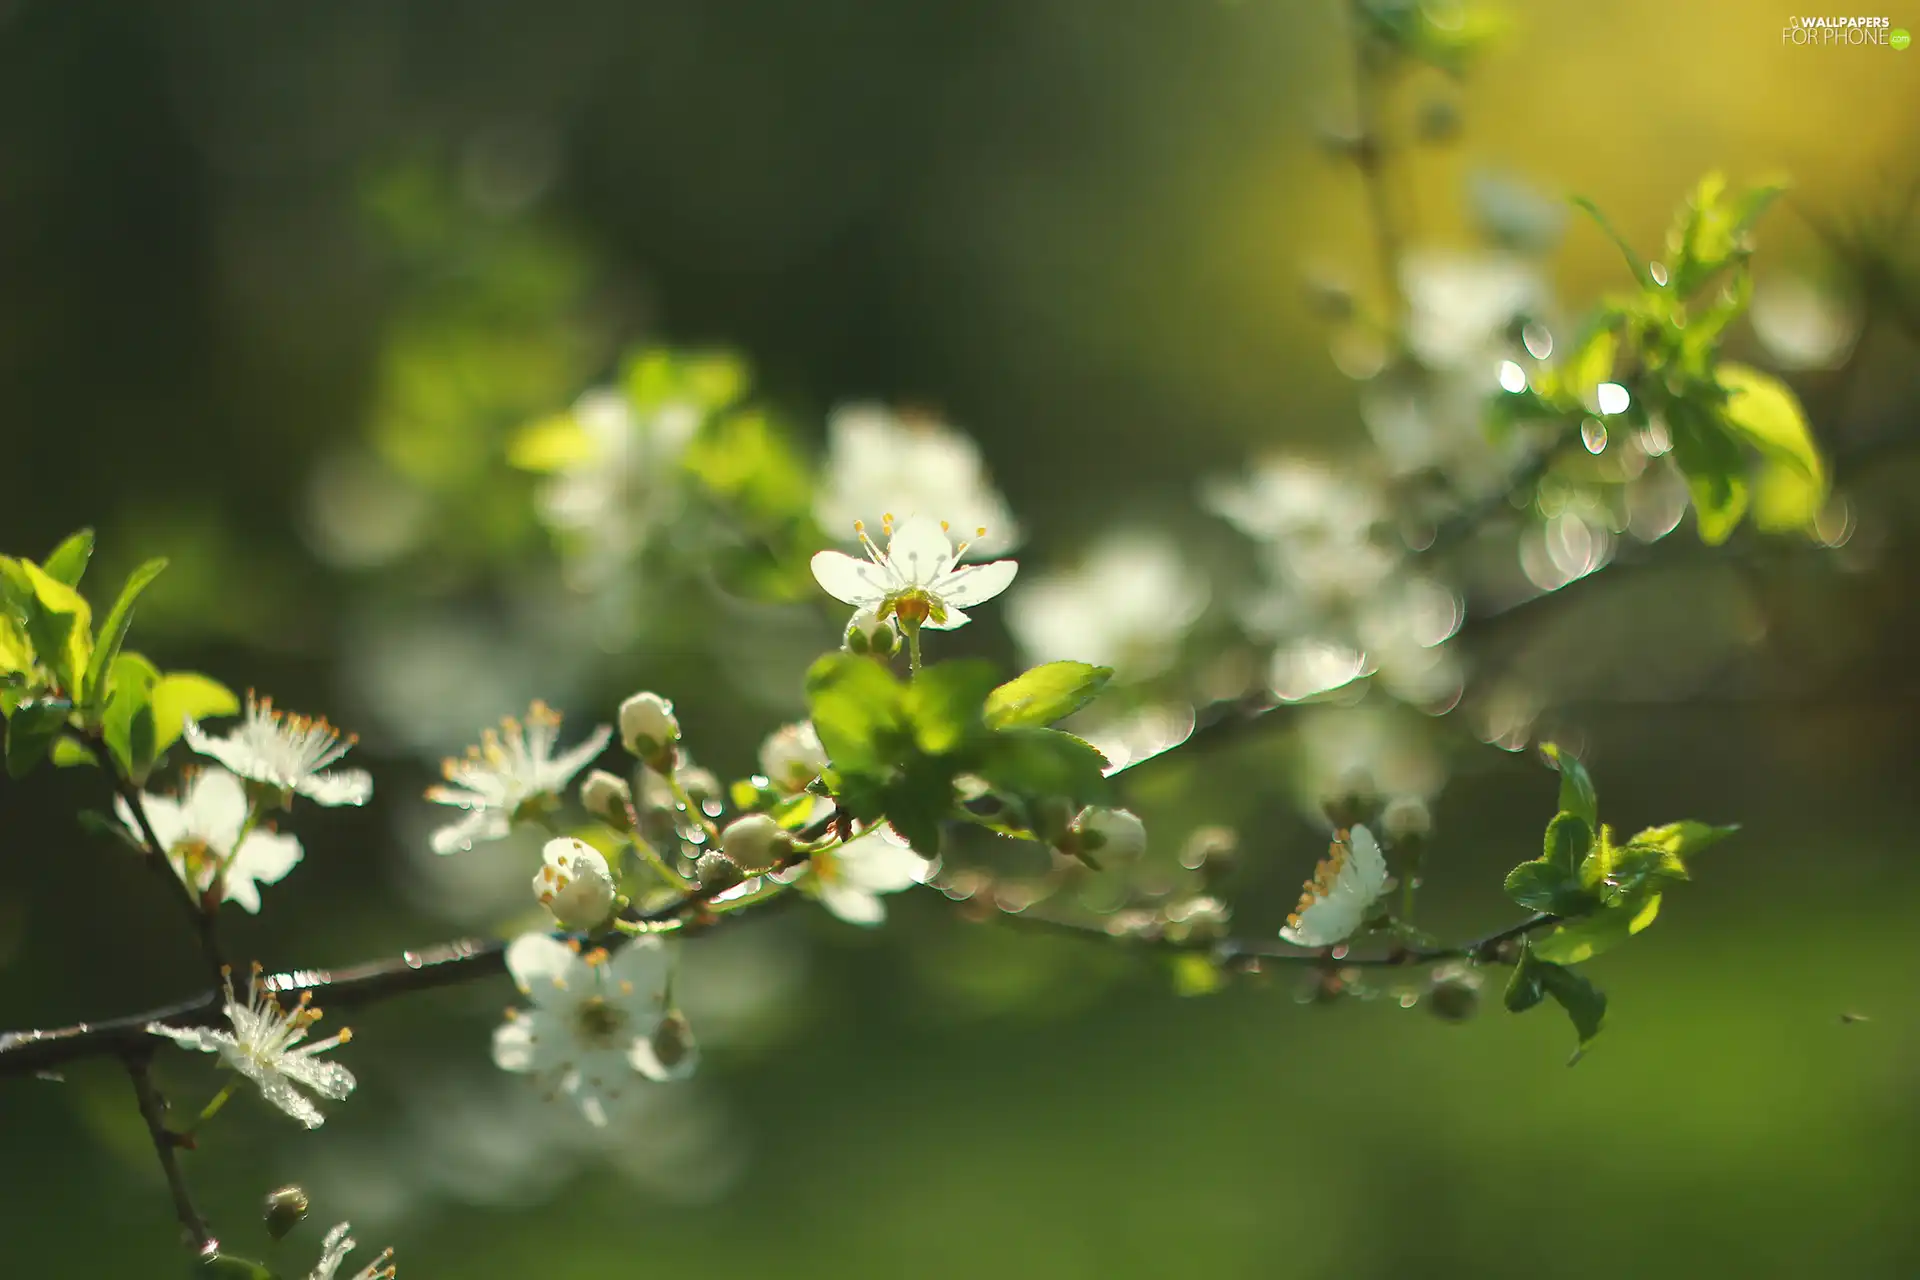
x=284, y=1209
x=574, y=884
x=607, y=797
x=648, y=728
x=792, y=757
x=755, y=843
x=1407, y=820
x=716, y=873
x=1453, y=993
x=869, y=633
x=671, y=1052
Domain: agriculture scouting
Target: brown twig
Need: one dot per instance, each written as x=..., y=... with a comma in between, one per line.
x=166, y=1144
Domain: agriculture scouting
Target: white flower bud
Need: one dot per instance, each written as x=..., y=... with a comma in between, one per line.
x=792, y=757
x=647, y=726
x=607, y=796
x=755, y=842
x=869, y=633
x=574, y=884
x=1112, y=836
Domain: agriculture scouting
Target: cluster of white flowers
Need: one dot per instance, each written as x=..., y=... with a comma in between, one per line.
x=618, y=489
x=1126, y=606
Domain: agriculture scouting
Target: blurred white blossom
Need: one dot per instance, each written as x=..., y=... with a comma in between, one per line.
x=880, y=463
x=264, y=1046
x=199, y=831
x=507, y=771
x=918, y=576
x=792, y=756
x=1126, y=606
x=574, y=884
x=334, y=1250
x=593, y=1017
x=622, y=485
x=851, y=879
x=1342, y=892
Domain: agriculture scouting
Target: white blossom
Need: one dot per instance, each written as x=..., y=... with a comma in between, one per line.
x=1341, y=894
x=574, y=884
x=200, y=829
x=1460, y=306
x=334, y=1250
x=647, y=724
x=506, y=771
x=264, y=1046
x=850, y=879
x=619, y=488
x=792, y=756
x=1113, y=837
x=593, y=1018
x=288, y=752
x=878, y=461
x=917, y=579
x=1126, y=607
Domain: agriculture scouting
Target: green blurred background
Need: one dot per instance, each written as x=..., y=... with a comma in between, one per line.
x=247, y=251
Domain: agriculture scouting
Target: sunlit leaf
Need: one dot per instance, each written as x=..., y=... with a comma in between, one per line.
x=1760, y=410
x=68, y=562
x=854, y=702
x=1577, y=794
x=113, y=633
x=1634, y=262
x=1544, y=886
x=31, y=731
x=59, y=623
x=127, y=722
x=551, y=444
x=1046, y=693
x=1580, y=940
x=1045, y=763
x=180, y=694
x=944, y=702
x=68, y=752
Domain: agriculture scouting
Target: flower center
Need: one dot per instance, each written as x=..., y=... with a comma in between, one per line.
x=598, y=1023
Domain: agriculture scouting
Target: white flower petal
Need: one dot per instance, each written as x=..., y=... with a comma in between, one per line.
x=920, y=552
x=876, y=864
x=328, y=1079
x=281, y=1093
x=545, y=969
x=976, y=583
x=523, y=1043
x=560, y=770
x=850, y=581
x=217, y=803
x=264, y=858
x=479, y=824
x=852, y=904
x=952, y=622
x=342, y=786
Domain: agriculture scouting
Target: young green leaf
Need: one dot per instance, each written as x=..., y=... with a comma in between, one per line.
x=68, y=563
x=943, y=703
x=1580, y=940
x=1046, y=693
x=1043, y=763
x=1760, y=410
x=68, y=752
x=113, y=634
x=1634, y=262
x=1543, y=885
x=1577, y=794
x=59, y=623
x=1585, y=1004
x=180, y=694
x=854, y=703
x=1524, y=988
x=31, y=732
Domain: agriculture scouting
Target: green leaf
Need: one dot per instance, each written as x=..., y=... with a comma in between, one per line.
x=550, y=444
x=1634, y=262
x=1682, y=839
x=1585, y=1003
x=180, y=694
x=1195, y=974
x=854, y=703
x=747, y=461
x=68, y=563
x=1763, y=412
x=1581, y=940
x=68, y=752
x=31, y=732
x=127, y=722
x=944, y=701
x=1524, y=988
x=1544, y=886
x=1577, y=794
x=60, y=625
x=1044, y=763
x=1715, y=475
x=227, y=1266
x=1049, y=692
x=1568, y=841
x=113, y=634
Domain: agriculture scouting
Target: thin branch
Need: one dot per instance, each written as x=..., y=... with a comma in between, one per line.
x=1228, y=951
x=166, y=1143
